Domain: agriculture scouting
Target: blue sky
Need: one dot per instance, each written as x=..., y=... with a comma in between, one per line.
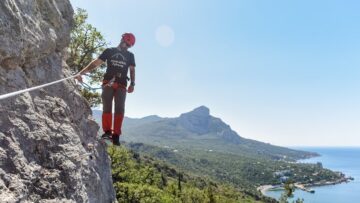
x=283, y=72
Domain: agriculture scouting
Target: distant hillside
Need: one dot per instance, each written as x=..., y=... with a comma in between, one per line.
x=201, y=144
x=199, y=130
x=241, y=171
x=128, y=122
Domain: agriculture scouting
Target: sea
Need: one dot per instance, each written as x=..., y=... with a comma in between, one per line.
x=344, y=159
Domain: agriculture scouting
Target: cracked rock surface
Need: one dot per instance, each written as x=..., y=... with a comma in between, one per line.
x=48, y=146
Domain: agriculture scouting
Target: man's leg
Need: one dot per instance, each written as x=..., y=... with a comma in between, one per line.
x=107, y=98
x=119, y=96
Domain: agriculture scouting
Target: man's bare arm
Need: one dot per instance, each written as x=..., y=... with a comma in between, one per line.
x=132, y=74
x=92, y=65
x=132, y=78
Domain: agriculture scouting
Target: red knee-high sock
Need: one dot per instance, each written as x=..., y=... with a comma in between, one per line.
x=118, y=120
x=106, y=121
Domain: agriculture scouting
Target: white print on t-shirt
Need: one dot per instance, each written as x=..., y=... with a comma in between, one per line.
x=118, y=55
x=117, y=63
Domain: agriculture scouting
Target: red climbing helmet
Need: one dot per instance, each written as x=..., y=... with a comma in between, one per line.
x=129, y=39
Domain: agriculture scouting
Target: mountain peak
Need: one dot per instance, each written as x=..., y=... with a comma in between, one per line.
x=197, y=120
x=202, y=111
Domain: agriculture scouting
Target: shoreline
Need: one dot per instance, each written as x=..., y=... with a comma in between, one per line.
x=264, y=188
x=326, y=183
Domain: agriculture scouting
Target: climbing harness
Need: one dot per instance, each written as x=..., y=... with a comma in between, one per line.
x=87, y=86
x=109, y=83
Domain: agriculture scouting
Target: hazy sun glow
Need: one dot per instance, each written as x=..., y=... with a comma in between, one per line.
x=165, y=35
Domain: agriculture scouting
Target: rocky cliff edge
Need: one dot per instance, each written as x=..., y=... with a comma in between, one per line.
x=48, y=146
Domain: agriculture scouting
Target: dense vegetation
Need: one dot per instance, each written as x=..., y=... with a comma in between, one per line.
x=241, y=171
x=144, y=179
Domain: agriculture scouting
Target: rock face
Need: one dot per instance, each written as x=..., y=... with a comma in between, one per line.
x=48, y=146
x=196, y=121
x=200, y=121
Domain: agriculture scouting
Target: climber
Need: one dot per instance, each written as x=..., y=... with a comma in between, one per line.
x=114, y=85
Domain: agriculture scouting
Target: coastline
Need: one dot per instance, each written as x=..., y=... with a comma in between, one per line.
x=325, y=183
x=264, y=188
x=345, y=161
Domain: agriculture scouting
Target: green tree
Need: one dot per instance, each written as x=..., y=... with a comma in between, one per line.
x=85, y=44
x=289, y=193
x=211, y=194
x=179, y=182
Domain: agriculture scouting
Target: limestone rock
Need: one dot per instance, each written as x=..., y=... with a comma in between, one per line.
x=48, y=146
x=196, y=121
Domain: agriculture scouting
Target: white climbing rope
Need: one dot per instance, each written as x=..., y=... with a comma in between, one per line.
x=4, y=96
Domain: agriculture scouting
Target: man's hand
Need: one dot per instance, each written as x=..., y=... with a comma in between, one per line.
x=130, y=89
x=79, y=78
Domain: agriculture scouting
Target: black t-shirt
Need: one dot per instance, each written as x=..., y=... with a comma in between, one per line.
x=118, y=62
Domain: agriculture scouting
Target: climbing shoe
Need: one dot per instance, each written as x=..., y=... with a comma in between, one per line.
x=106, y=135
x=115, y=139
